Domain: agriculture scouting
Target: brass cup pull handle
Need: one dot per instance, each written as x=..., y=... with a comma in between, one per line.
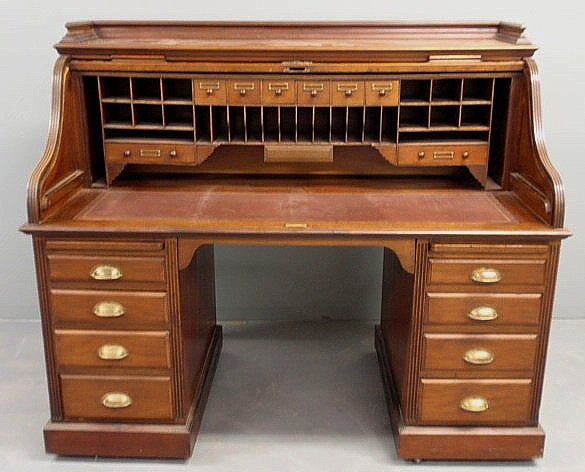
x=483, y=313
x=116, y=400
x=474, y=404
x=106, y=272
x=108, y=309
x=479, y=356
x=112, y=352
x=486, y=275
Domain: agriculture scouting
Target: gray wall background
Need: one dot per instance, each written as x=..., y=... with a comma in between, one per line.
x=273, y=282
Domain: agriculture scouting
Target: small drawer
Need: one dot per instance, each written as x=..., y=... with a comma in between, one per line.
x=116, y=398
x=109, y=309
x=106, y=269
x=279, y=92
x=112, y=349
x=476, y=402
x=244, y=92
x=210, y=92
x=382, y=92
x=436, y=154
x=347, y=93
x=487, y=272
x=483, y=310
x=149, y=152
x=479, y=354
x=313, y=92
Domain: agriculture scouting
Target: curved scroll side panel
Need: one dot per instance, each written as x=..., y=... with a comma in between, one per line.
x=59, y=170
x=533, y=175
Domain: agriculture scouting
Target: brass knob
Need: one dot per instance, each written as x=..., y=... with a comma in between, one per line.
x=173, y=153
x=209, y=91
x=127, y=153
x=314, y=92
x=482, y=313
x=479, y=356
x=465, y=155
x=106, y=272
x=278, y=92
x=421, y=155
x=348, y=93
x=474, y=404
x=382, y=92
x=116, y=400
x=108, y=309
x=112, y=352
x=243, y=92
x=486, y=275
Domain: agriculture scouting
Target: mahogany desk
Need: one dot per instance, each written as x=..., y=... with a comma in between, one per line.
x=167, y=138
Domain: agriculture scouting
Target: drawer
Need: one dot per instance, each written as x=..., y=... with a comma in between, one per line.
x=382, y=92
x=109, y=309
x=442, y=154
x=487, y=272
x=244, y=92
x=149, y=152
x=476, y=402
x=483, y=310
x=116, y=398
x=313, y=92
x=106, y=269
x=279, y=92
x=479, y=354
x=112, y=349
x=346, y=93
x=210, y=92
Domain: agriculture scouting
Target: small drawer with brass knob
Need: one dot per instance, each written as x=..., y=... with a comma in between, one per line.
x=112, y=349
x=279, y=92
x=244, y=92
x=152, y=152
x=210, y=91
x=347, y=93
x=441, y=154
x=117, y=397
x=475, y=402
x=313, y=92
x=382, y=92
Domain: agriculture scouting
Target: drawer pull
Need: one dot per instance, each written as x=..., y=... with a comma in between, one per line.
x=479, y=356
x=116, y=400
x=486, y=275
x=107, y=309
x=483, y=313
x=474, y=404
x=112, y=352
x=106, y=272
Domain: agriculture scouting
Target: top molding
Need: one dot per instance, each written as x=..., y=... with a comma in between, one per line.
x=279, y=42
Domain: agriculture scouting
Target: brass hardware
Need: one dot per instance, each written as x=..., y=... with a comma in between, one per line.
x=474, y=404
x=479, y=356
x=296, y=225
x=106, y=272
x=297, y=66
x=173, y=153
x=209, y=91
x=112, y=352
x=486, y=275
x=465, y=155
x=278, y=87
x=348, y=89
x=421, y=155
x=307, y=153
x=244, y=86
x=116, y=400
x=313, y=89
x=150, y=153
x=348, y=93
x=107, y=309
x=209, y=87
x=382, y=93
x=243, y=92
x=278, y=92
x=127, y=153
x=314, y=93
x=482, y=313
x=383, y=89
x=443, y=155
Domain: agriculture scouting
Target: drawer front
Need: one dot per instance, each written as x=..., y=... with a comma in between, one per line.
x=112, y=349
x=418, y=154
x=210, y=92
x=244, y=92
x=109, y=309
x=313, y=92
x=279, y=92
x=487, y=272
x=116, y=398
x=347, y=93
x=104, y=269
x=475, y=403
x=149, y=152
x=382, y=92
x=479, y=354
x=483, y=310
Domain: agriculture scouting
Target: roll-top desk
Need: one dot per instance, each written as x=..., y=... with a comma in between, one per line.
x=423, y=139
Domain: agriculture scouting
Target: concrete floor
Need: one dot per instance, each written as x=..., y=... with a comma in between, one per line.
x=302, y=396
